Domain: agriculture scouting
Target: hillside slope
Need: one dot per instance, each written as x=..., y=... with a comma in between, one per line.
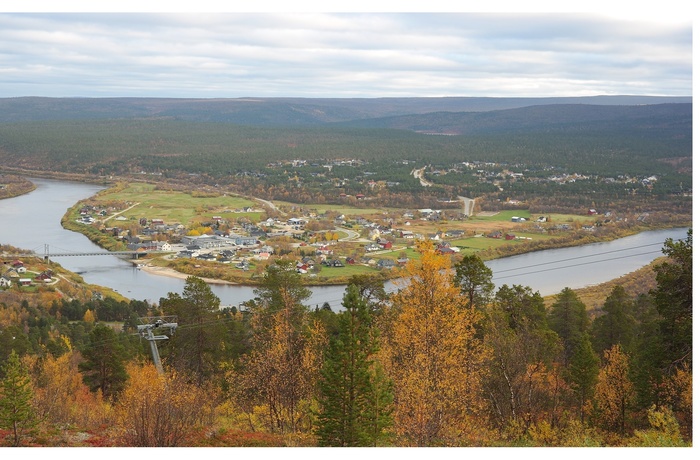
x=280, y=111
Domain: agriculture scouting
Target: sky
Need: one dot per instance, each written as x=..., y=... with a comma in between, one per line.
x=201, y=50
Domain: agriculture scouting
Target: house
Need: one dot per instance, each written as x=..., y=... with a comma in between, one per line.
x=384, y=244
x=372, y=247
x=517, y=219
x=245, y=241
x=296, y=222
x=243, y=265
x=446, y=250
x=454, y=233
x=44, y=276
x=25, y=282
x=386, y=263
x=495, y=234
x=5, y=281
x=406, y=234
x=164, y=246
x=332, y=263
x=510, y=236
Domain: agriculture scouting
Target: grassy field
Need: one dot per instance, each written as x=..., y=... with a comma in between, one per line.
x=177, y=206
x=340, y=209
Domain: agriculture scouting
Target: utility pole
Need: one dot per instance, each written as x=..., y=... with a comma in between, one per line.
x=146, y=330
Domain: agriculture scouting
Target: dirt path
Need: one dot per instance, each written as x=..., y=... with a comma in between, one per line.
x=120, y=212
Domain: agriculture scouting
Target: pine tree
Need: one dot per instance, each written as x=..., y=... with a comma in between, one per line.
x=583, y=372
x=103, y=368
x=568, y=318
x=474, y=280
x=195, y=345
x=674, y=300
x=16, y=411
x=617, y=324
x=353, y=406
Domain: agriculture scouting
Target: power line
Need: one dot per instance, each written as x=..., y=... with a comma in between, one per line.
x=584, y=257
x=574, y=265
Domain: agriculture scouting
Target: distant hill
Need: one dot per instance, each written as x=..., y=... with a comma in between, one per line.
x=674, y=119
x=299, y=111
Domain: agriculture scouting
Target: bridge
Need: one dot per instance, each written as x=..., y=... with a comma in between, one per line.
x=46, y=255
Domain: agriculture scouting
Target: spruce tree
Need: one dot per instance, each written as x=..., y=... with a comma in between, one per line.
x=568, y=318
x=582, y=372
x=354, y=395
x=16, y=411
x=617, y=324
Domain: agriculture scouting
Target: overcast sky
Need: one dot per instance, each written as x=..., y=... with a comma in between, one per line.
x=312, y=54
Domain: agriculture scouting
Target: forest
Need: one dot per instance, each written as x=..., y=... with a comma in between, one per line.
x=276, y=149
x=448, y=360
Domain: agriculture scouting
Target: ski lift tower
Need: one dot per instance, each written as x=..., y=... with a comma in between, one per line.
x=157, y=324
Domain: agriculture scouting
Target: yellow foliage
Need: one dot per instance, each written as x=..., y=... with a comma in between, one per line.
x=432, y=355
x=614, y=392
x=160, y=410
x=89, y=316
x=63, y=397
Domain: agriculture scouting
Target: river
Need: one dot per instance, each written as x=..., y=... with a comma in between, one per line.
x=33, y=220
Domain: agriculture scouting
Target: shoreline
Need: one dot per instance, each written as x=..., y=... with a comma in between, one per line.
x=165, y=271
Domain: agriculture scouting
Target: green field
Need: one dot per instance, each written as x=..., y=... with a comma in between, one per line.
x=340, y=209
x=177, y=206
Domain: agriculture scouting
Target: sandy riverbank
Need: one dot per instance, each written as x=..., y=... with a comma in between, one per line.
x=164, y=271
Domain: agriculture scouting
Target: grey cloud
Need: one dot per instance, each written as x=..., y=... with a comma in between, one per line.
x=327, y=55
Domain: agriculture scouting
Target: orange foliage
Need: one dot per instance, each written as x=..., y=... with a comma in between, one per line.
x=161, y=410
x=63, y=398
x=433, y=356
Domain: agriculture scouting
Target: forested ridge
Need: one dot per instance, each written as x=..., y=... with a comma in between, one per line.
x=607, y=151
x=449, y=360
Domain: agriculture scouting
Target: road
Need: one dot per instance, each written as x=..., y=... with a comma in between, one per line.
x=419, y=174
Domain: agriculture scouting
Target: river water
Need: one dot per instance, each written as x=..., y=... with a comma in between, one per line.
x=33, y=221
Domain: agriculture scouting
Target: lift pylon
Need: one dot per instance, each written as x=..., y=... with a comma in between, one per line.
x=157, y=324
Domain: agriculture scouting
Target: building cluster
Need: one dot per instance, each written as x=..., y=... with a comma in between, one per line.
x=15, y=273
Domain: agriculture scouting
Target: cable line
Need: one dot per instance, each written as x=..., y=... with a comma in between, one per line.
x=583, y=257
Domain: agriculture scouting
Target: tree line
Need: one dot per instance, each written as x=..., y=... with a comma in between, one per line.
x=448, y=360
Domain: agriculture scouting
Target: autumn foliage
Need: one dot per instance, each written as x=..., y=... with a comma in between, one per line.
x=425, y=366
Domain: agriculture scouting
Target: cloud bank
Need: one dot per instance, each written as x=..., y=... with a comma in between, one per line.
x=212, y=55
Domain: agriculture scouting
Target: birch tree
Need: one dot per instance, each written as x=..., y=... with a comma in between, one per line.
x=433, y=356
